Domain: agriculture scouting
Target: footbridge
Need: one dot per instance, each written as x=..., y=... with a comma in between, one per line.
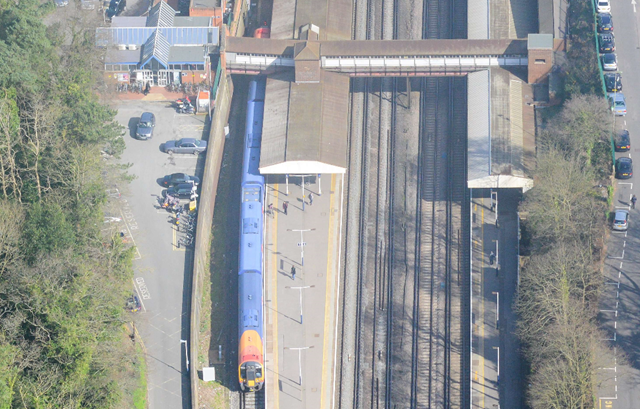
x=372, y=58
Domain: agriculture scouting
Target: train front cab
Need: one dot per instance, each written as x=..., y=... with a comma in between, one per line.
x=251, y=370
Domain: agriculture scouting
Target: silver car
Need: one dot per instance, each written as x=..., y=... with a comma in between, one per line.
x=621, y=220
x=186, y=145
x=609, y=62
x=617, y=103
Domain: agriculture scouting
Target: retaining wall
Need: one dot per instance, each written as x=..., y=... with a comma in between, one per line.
x=205, y=219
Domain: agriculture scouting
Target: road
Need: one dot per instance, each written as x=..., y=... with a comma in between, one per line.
x=162, y=273
x=620, y=303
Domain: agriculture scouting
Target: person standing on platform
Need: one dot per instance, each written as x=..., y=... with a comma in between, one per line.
x=293, y=272
x=310, y=199
x=285, y=207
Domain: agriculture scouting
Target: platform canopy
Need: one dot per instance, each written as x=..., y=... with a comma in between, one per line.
x=306, y=125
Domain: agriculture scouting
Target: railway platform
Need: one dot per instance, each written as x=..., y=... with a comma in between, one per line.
x=301, y=308
x=496, y=368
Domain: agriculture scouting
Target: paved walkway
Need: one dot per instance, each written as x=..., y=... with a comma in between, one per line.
x=494, y=285
x=300, y=311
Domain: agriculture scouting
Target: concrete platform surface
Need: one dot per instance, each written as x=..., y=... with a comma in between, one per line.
x=301, y=310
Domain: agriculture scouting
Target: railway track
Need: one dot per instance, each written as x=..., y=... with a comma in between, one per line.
x=406, y=193
x=252, y=400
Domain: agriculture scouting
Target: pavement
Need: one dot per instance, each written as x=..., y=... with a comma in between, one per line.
x=162, y=271
x=301, y=312
x=497, y=373
x=620, y=300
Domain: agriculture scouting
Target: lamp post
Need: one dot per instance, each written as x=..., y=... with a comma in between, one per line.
x=186, y=353
x=301, y=244
x=300, y=290
x=299, y=349
x=497, y=310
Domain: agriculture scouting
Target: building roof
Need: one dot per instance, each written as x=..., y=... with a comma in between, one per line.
x=115, y=56
x=545, y=17
x=305, y=126
x=156, y=47
x=540, y=42
x=107, y=36
x=161, y=15
x=204, y=4
x=194, y=21
x=194, y=55
x=127, y=21
x=478, y=135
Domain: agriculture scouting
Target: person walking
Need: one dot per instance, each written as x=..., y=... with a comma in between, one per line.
x=492, y=258
x=310, y=199
x=285, y=207
x=634, y=199
x=271, y=209
x=293, y=272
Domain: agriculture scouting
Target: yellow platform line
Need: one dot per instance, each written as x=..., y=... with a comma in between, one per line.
x=329, y=291
x=482, y=388
x=274, y=300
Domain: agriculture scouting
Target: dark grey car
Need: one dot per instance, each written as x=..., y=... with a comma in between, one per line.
x=185, y=145
x=145, y=126
x=182, y=190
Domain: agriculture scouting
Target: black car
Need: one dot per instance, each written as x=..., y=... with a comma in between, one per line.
x=605, y=22
x=145, y=127
x=116, y=7
x=613, y=82
x=607, y=43
x=178, y=178
x=182, y=190
x=622, y=141
x=624, y=168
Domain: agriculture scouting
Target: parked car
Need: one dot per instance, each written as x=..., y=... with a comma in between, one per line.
x=624, y=168
x=185, y=145
x=613, y=82
x=603, y=6
x=607, y=43
x=621, y=220
x=609, y=62
x=618, y=103
x=116, y=7
x=605, y=22
x=622, y=141
x=145, y=127
x=178, y=178
x=61, y=3
x=182, y=190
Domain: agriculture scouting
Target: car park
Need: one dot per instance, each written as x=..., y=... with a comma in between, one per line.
x=621, y=220
x=622, y=141
x=624, y=168
x=606, y=43
x=609, y=62
x=613, y=82
x=617, y=103
x=178, y=178
x=603, y=6
x=145, y=126
x=605, y=22
x=185, y=145
x=182, y=190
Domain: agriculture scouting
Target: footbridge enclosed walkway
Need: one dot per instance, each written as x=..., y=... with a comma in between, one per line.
x=374, y=58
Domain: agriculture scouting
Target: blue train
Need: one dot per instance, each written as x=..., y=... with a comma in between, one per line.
x=250, y=280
